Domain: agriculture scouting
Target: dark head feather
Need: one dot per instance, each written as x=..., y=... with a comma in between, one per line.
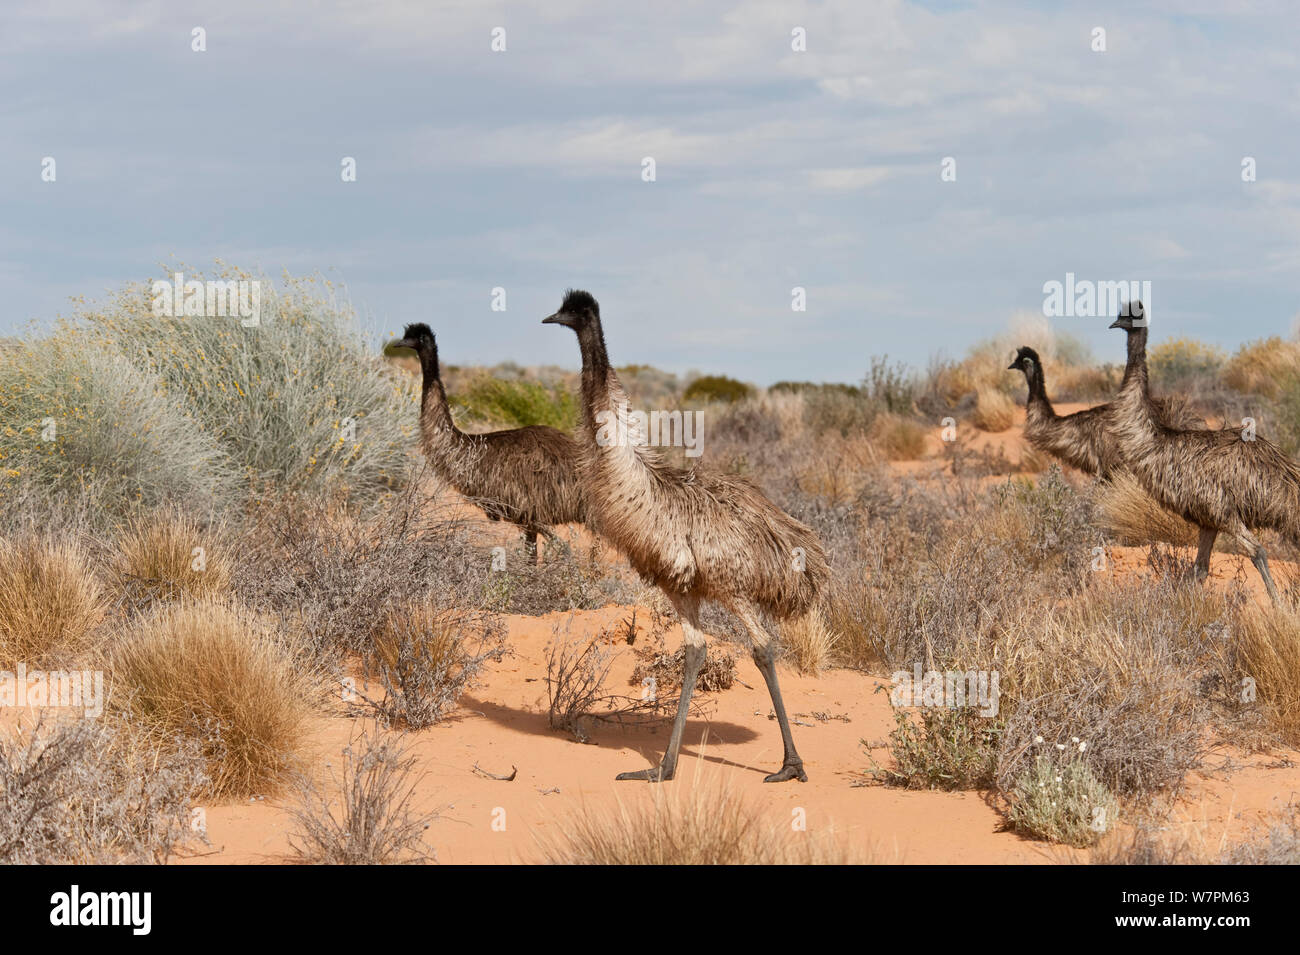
x=576, y=301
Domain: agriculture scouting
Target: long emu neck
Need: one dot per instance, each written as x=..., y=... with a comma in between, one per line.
x=596, y=373
x=1038, y=389
x=1135, y=394
x=435, y=415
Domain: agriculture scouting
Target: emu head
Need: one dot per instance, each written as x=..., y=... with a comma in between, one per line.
x=578, y=311
x=417, y=338
x=1026, y=360
x=1132, y=315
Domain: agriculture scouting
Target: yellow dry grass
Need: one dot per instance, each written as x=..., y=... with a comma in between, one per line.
x=209, y=671
x=50, y=602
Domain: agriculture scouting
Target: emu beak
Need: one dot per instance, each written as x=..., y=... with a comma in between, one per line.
x=556, y=319
x=399, y=347
x=1013, y=366
x=1115, y=324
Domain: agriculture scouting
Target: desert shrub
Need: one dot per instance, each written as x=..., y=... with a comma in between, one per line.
x=951, y=748
x=836, y=411
x=78, y=423
x=720, y=388
x=706, y=824
x=897, y=437
x=167, y=555
x=1179, y=363
x=890, y=387
x=50, y=602
x=299, y=400
x=211, y=673
x=1060, y=800
x=488, y=400
x=1267, y=641
x=717, y=672
x=366, y=814
x=576, y=671
x=1279, y=845
x=425, y=656
x=994, y=410
x=1049, y=524
x=1266, y=368
x=94, y=791
x=562, y=580
x=333, y=572
x=1123, y=670
x=808, y=643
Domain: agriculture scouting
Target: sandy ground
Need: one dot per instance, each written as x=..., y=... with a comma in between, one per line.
x=732, y=741
x=842, y=718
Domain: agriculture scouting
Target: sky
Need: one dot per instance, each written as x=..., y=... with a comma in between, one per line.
x=774, y=168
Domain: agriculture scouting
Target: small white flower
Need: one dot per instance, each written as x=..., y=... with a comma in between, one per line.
x=1074, y=739
x=1060, y=746
x=1038, y=739
x=1082, y=747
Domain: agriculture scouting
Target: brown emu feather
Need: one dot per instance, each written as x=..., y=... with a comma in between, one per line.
x=1220, y=481
x=696, y=534
x=1083, y=440
x=526, y=476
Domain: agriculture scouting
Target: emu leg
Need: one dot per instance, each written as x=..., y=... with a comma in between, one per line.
x=1204, y=545
x=688, y=610
x=765, y=660
x=1260, y=560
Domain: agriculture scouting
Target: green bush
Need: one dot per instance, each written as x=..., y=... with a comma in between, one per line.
x=717, y=388
x=953, y=748
x=516, y=403
x=1062, y=801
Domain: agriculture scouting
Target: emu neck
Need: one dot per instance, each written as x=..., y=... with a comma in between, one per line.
x=436, y=425
x=1038, y=394
x=1135, y=396
x=600, y=386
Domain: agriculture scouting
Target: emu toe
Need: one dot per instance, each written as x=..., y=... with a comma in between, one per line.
x=655, y=774
x=791, y=770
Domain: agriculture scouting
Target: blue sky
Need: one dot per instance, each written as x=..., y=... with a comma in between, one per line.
x=775, y=168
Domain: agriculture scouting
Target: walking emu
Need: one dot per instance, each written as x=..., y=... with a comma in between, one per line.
x=694, y=534
x=1222, y=481
x=1083, y=439
x=527, y=476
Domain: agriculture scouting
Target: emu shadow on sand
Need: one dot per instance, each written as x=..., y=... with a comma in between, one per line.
x=526, y=476
x=694, y=534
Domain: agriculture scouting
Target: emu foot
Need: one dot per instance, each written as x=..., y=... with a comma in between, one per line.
x=655, y=774
x=793, y=769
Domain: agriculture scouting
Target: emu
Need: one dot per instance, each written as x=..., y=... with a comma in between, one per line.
x=1083, y=440
x=694, y=534
x=1217, y=480
x=526, y=476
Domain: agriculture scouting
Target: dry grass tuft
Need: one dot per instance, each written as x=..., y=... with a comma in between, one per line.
x=168, y=556
x=699, y=823
x=50, y=602
x=994, y=410
x=809, y=644
x=1131, y=515
x=897, y=437
x=1268, y=650
x=209, y=672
